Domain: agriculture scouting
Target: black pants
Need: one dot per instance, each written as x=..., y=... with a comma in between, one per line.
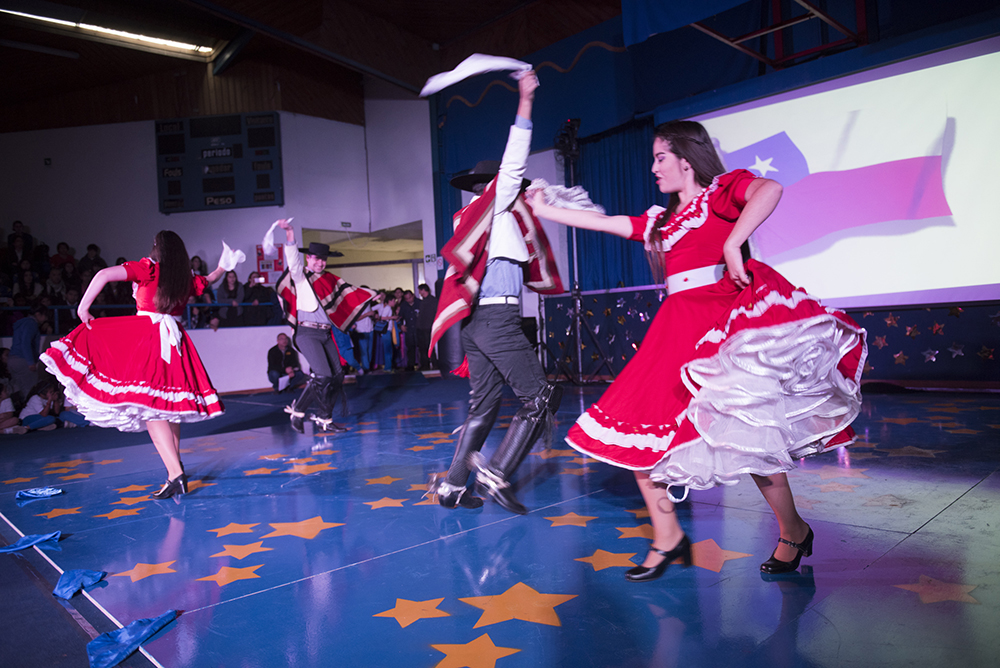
x=319, y=349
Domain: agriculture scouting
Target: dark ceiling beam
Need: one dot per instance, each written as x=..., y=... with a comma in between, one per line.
x=228, y=54
x=297, y=42
x=733, y=43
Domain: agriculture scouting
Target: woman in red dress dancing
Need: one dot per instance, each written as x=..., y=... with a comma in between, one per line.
x=740, y=372
x=141, y=372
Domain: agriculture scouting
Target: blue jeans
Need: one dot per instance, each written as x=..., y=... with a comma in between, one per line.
x=345, y=346
x=298, y=379
x=365, y=340
x=386, y=339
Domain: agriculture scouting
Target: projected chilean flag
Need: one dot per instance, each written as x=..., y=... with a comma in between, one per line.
x=816, y=205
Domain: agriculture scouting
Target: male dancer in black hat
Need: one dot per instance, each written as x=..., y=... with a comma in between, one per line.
x=489, y=262
x=315, y=301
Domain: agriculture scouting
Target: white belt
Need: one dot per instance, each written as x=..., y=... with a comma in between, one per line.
x=499, y=300
x=170, y=333
x=694, y=278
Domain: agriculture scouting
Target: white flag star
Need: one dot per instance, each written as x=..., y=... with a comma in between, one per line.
x=763, y=166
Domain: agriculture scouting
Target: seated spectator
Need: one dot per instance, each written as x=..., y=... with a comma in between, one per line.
x=27, y=286
x=257, y=293
x=198, y=267
x=4, y=371
x=55, y=287
x=9, y=422
x=44, y=409
x=15, y=254
x=231, y=294
x=283, y=362
x=71, y=277
x=68, y=319
x=18, y=231
x=62, y=256
x=92, y=260
x=40, y=260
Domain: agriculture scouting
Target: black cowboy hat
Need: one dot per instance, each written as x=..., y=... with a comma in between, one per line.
x=320, y=250
x=484, y=172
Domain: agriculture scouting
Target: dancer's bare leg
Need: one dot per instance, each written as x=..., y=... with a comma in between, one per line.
x=778, y=495
x=667, y=531
x=166, y=438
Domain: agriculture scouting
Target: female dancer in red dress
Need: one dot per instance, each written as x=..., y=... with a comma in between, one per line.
x=740, y=372
x=141, y=372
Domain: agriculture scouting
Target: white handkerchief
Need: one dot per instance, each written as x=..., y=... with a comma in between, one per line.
x=230, y=258
x=477, y=63
x=268, y=243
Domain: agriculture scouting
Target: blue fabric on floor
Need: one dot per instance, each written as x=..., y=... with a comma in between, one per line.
x=73, y=581
x=31, y=539
x=37, y=493
x=110, y=649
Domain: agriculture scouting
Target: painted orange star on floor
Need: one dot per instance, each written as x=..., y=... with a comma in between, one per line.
x=601, y=560
x=133, y=488
x=76, y=476
x=420, y=448
x=59, y=512
x=435, y=434
x=141, y=571
x=261, y=471
x=384, y=480
x=480, y=653
x=242, y=551
x=120, y=512
x=385, y=502
x=105, y=462
x=827, y=472
x=900, y=421
x=52, y=471
x=232, y=528
x=132, y=500
x=967, y=432
x=910, y=451
x=308, y=529
x=835, y=487
x=639, y=512
x=808, y=504
x=418, y=488
x=935, y=591
x=272, y=458
x=571, y=520
x=406, y=612
x=583, y=461
x=70, y=463
x=306, y=469
x=581, y=472
x=228, y=575
x=641, y=531
x=17, y=481
x=519, y=602
x=325, y=452
x=301, y=460
x=197, y=484
x=432, y=500
x=708, y=555
x=550, y=453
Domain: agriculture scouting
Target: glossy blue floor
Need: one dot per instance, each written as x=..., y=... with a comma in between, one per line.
x=320, y=550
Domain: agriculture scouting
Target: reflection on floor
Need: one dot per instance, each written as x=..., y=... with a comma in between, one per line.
x=321, y=550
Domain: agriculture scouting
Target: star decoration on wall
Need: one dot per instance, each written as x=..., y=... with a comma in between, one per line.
x=406, y=612
x=519, y=602
x=935, y=591
x=762, y=167
x=120, y=512
x=641, y=531
x=59, y=512
x=480, y=653
x=384, y=480
x=133, y=488
x=601, y=560
x=308, y=529
x=232, y=528
x=385, y=502
x=892, y=320
x=912, y=332
x=956, y=311
x=937, y=329
x=228, y=575
x=141, y=571
x=986, y=353
x=571, y=520
x=879, y=342
x=901, y=358
x=868, y=368
x=930, y=355
x=242, y=551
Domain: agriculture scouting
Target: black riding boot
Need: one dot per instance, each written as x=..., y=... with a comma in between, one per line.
x=451, y=490
x=299, y=409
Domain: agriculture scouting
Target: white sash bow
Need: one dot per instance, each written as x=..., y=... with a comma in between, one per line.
x=170, y=333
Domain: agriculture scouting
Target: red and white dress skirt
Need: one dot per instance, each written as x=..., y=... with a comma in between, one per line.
x=125, y=371
x=728, y=382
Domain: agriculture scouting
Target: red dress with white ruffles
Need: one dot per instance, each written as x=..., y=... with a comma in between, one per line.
x=727, y=381
x=128, y=370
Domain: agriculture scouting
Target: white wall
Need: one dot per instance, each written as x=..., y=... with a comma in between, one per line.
x=401, y=169
x=101, y=188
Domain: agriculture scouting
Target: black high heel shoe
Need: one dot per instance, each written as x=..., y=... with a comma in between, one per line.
x=178, y=485
x=775, y=566
x=643, y=574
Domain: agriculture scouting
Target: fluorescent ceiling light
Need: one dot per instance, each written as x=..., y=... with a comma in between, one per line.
x=119, y=35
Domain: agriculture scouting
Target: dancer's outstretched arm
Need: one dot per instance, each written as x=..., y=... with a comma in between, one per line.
x=97, y=283
x=588, y=220
x=216, y=274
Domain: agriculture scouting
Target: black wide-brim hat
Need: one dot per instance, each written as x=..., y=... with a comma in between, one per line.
x=484, y=172
x=320, y=250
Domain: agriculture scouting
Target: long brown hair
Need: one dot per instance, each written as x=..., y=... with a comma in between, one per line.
x=175, y=271
x=690, y=141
